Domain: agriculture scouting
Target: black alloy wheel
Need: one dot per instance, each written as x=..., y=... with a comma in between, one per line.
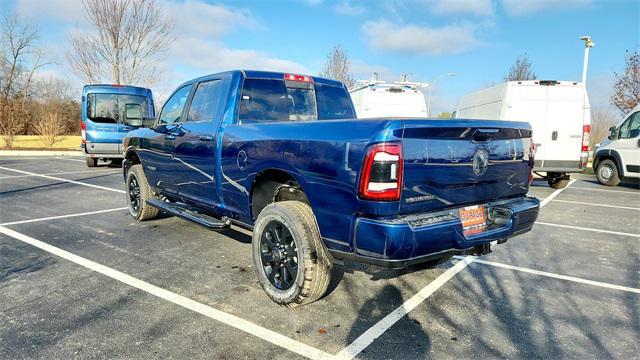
x=279, y=255
x=133, y=188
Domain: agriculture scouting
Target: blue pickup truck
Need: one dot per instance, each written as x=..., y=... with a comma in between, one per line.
x=283, y=155
x=104, y=118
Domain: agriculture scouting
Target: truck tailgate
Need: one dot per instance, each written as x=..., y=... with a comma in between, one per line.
x=461, y=162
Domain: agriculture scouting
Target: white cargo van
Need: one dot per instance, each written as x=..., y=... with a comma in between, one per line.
x=381, y=99
x=619, y=156
x=559, y=114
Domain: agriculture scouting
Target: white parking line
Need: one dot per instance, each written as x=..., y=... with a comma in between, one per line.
x=594, y=204
x=588, y=229
x=60, y=173
x=64, y=180
x=62, y=216
x=546, y=200
x=383, y=325
x=631, y=192
x=62, y=158
x=228, y=319
x=556, y=276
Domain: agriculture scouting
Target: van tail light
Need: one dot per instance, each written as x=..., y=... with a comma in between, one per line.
x=381, y=177
x=83, y=131
x=586, y=132
x=532, y=150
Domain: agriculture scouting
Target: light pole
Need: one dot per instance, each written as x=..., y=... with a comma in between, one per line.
x=587, y=45
x=431, y=86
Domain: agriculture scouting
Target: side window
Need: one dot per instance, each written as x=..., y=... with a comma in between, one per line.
x=631, y=128
x=204, y=105
x=172, y=109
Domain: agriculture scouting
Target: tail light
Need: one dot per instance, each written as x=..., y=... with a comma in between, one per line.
x=532, y=150
x=381, y=177
x=83, y=131
x=586, y=131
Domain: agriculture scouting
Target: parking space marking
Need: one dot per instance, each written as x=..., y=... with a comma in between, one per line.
x=607, y=190
x=225, y=318
x=60, y=173
x=64, y=180
x=369, y=336
x=588, y=229
x=594, y=204
x=555, y=276
x=63, y=216
x=546, y=200
x=61, y=158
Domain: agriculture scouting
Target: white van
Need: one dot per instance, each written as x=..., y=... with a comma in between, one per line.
x=381, y=99
x=559, y=114
x=619, y=156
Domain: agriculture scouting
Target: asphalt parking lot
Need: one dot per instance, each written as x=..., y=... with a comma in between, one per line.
x=80, y=278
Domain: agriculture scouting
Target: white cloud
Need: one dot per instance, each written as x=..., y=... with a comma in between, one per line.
x=64, y=10
x=475, y=7
x=364, y=71
x=348, y=8
x=450, y=39
x=200, y=19
x=526, y=7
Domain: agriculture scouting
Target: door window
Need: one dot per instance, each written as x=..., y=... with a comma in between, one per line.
x=172, y=110
x=631, y=128
x=205, y=102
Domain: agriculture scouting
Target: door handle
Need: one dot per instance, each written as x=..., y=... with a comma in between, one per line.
x=169, y=137
x=554, y=135
x=206, y=138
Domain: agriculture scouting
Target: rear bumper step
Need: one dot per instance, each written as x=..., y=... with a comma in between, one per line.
x=186, y=213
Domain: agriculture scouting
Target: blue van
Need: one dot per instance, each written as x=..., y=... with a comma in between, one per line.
x=109, y=112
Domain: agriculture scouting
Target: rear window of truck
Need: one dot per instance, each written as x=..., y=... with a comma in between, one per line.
x=279, y=100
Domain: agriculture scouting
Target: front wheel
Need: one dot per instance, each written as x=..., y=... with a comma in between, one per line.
x=607, y=173
x=138, y=192
x=290, y=261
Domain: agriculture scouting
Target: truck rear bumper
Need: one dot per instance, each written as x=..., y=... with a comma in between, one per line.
x=413, y=239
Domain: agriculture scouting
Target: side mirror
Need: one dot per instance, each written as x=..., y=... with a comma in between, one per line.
x=133, y=115
x=613, y=133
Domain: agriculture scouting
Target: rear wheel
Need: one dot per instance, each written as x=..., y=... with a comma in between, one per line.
x=91, y=162
x=557, y=180
x=138, y=192
x=291, y=264
x=607, y=173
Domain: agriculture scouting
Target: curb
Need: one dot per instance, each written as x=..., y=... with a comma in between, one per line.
x=40, y=153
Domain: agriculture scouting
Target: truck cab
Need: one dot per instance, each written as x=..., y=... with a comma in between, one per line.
x=104, y=118
x=619, y=156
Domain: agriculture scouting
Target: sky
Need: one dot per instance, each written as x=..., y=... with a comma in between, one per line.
x=478, y=40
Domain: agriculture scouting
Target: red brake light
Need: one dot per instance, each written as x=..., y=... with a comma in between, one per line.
x=586, y=132
x=117, y=85
x=83, y=131
x=381, y=177
x=300, y=78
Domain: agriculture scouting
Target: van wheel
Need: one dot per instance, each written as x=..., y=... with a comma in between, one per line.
x=558, y=182
x=138, y=192
x=290, y=261
x=91, y=162
x=607, y=173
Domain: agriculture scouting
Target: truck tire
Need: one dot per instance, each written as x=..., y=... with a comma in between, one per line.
x=558, y=182
x=138, y=192
x=607, y=173
x=91, y=162
x=290, y=261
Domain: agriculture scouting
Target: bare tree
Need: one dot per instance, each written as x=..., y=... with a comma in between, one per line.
x=337, y=66
x=50, y=127
x=626, y=89
x=129, y=40
x=521, y=70
x=601, y=121
x=19, y=62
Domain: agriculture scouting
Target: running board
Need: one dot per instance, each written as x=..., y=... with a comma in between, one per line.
x=187, y=214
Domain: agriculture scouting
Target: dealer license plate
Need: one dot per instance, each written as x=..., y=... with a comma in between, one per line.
x=473, y=219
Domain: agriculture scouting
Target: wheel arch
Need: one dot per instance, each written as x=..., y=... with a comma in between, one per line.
x=612, y=155
x=272, y=185
x=131, y=158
